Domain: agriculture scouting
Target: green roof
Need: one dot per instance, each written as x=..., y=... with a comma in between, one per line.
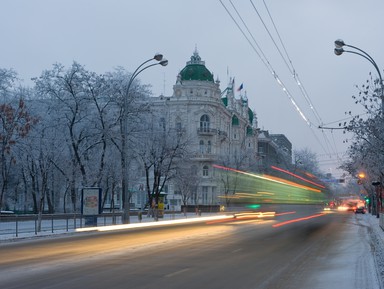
x=250, y=115
x=196, y=70
x=225, y=101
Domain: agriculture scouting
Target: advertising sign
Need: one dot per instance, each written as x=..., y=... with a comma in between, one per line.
x=91, y=201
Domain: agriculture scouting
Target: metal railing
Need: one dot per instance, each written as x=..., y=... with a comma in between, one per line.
x=16, y=225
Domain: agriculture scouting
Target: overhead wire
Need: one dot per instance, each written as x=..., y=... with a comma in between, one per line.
x=292, y=70
x=327, y=144
x=267, y=63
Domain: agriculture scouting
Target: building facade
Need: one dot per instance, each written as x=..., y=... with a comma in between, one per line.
x=220, y=127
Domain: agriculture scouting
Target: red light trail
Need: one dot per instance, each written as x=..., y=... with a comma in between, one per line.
x=297, y=220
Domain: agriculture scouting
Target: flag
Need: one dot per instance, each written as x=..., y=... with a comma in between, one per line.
x=240, y=87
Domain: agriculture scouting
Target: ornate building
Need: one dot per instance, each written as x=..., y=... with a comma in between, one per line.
x=220, y=127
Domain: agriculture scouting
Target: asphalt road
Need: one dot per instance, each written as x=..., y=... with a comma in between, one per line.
x=235, y=253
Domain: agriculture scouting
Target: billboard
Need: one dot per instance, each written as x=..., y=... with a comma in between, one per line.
x=91, y=201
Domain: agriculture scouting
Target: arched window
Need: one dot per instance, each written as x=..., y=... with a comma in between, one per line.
x=201, y=146
x=235, y=120
x=205, y=171
x=204, y=123
x=178, y=124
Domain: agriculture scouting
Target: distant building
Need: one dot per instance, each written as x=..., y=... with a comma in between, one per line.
x=273, y=149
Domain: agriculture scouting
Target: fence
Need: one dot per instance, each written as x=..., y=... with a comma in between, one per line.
x=15, y=225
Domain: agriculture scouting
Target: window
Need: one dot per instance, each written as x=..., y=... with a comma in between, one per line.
x=201, y=146
x=204, y=123
x=162, y=123
x=205, y=171
x=178, y=126
x=204, y=194
x=209, y=148
x=235, y=120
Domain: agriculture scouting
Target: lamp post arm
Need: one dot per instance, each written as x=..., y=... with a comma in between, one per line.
x=366, y=56
x=137, y=72
x=141, y=65
x=361, y=50
x=370, y=60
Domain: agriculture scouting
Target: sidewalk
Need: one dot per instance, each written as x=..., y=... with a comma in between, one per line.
x=377, y=244
x=28, y=230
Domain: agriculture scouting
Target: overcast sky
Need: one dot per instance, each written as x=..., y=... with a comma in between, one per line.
x=105, y=34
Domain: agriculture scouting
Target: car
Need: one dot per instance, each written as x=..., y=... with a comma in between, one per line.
x=360, y=210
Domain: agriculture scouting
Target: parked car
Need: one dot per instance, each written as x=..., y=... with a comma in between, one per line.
x=360, y=210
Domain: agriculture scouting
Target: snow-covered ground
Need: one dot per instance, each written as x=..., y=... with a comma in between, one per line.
x=376, y=234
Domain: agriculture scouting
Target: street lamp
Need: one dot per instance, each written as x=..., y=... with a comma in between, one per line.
x=124, y=147
x=339, y=44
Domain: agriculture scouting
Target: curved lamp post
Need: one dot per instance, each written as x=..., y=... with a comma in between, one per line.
x=339, y=44
x=124, y=146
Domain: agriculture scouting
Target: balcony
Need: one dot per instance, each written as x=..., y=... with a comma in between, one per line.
x=206, y=131
x=204, y=157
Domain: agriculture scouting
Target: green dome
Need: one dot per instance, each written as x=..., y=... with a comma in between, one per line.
x=196, y=70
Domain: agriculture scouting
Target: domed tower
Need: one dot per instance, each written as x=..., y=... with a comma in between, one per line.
x=195, y=80
x=196, y=70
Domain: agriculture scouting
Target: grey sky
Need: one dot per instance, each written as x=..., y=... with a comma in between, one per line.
x=104, y=34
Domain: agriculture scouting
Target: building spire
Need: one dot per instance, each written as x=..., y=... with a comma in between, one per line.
x=195, y=58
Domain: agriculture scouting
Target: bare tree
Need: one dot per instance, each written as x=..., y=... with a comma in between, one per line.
x=79, y=100
x=159, y=148
x=186, y=181
x=306, y=160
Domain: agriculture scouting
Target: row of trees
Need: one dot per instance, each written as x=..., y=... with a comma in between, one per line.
x=366, y=149
x=65, y=133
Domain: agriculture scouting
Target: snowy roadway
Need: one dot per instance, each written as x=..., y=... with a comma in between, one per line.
x=349, y=254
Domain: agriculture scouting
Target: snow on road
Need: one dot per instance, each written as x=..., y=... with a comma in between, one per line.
x=356, y=262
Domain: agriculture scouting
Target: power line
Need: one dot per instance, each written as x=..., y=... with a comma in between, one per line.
x=289, y=65
x=292, y=69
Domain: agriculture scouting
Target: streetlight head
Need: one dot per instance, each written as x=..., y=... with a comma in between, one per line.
x=339, y=43
x=164, y=62
x=339, y=51
x=158, y=57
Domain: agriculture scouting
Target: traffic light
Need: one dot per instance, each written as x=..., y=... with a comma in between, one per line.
x=366, y=198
